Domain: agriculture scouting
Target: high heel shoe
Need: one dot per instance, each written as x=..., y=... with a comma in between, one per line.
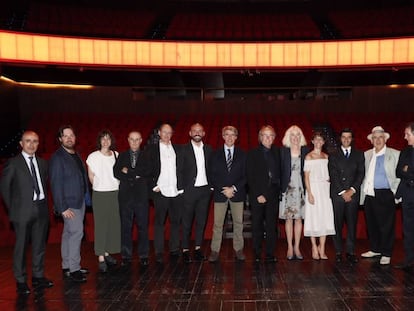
x=322, y=255
x=315, y=253
x=290, y=256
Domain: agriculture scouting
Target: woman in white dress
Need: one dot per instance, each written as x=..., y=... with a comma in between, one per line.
x=319, y=219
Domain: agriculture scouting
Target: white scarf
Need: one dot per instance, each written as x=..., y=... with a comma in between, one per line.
x=369, y=182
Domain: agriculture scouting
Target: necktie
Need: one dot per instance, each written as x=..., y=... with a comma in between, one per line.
x=133, y=159
x=34, y=178
x=346, y=153
x=229, y=160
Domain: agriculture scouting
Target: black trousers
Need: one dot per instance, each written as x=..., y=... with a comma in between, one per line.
x=380, y=219
x=128, y=210
x=408, y=229
x=172, y=207
x=264, y=223
x=345, y=212
x=196, y=206
x=33, y=229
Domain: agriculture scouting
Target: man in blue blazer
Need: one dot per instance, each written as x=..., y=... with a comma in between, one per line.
x=23, y=187
x=70, y=189
x=405, y=191
x=228, y=178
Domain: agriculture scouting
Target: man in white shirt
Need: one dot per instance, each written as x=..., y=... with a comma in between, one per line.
x=194, y=167
x=165, y=185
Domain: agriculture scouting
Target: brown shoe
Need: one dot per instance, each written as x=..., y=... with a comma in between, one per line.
x=240, y=256
x=213, y=256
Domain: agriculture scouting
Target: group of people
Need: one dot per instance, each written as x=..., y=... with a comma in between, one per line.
x=313, y=192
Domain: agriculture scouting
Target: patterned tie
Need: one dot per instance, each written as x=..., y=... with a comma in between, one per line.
x=229, y=160
x=133, y=159
x=34, y=178
x=346, y=153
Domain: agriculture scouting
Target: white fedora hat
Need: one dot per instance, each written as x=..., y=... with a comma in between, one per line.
x=379, y=129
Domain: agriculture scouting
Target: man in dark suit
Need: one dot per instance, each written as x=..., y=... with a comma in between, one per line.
x=23, y=187
x=346, y=171
x=70, y=190
x=165, y=182
x=196, y=198
x=228, y=178
x=405, y=171
x=263, y=179
x=130, y=169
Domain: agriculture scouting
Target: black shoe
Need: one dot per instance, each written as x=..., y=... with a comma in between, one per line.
x=404, y=265
x=352, y=258
x=270, y=259
x=126, y=263
x=77, y=276
x=66, y=272
x=144, y=261
x=257, y=258
x=338, y=257
x=41, y=282
x=187, y=257
x=174, y=255
x=199, y=256
x=110, y=261
x=159, y=258
x=22, y=288
x=102, y=266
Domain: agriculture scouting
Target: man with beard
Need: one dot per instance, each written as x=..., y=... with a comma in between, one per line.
x=194, y=167
x=69, y=185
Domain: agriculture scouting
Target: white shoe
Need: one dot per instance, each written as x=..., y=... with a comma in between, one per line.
x=370, y=254
x=385, y=260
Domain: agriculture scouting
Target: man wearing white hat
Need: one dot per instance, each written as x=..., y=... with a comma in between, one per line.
x=378, y=191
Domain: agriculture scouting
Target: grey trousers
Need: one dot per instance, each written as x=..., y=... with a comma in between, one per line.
x=220, y=211
x=71, y=240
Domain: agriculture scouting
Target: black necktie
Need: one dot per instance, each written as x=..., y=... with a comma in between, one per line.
x=34, y=178
x=346, y=153
x=229, y=160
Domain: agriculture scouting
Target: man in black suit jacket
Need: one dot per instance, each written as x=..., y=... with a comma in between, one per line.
x=263, y=179
x=23, y=187
x=196, y=198
x=131, y=170
x=346, y=171
x=405, y=171
x=228, y=178
x=166, y=184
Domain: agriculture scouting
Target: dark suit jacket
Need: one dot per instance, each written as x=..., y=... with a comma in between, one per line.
x=69, y=186
x=17, y=186
x=133, y=184
x=220, y=177
x=257, y=173
x=286, y=163
x=188, y=164
x=406, y=186
x=346, y=173
x=153, y=162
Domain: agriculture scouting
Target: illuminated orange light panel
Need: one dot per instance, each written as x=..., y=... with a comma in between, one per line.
x=43, y=49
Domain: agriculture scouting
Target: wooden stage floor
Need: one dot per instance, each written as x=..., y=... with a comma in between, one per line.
x=226, y=285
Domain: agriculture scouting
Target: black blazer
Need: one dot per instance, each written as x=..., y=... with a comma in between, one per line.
x=220, y=177
x=406, y=187
x=346, y=173
x=258, y=173
x=153, y=161
x=188, y=164
x=133, y=184
x=17, y=186
x=286, y=163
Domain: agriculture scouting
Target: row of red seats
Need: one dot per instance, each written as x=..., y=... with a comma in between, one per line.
x=88, y=126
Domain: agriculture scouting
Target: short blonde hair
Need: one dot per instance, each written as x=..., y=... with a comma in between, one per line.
x=286, y=138
x=230, y=128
